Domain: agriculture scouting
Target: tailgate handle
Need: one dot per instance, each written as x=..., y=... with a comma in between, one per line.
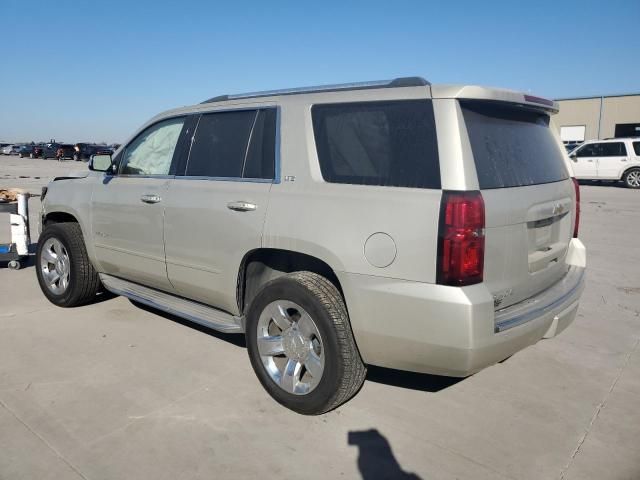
x=241, y=206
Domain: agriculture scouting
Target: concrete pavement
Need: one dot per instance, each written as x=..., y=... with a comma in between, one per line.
x=113, y=390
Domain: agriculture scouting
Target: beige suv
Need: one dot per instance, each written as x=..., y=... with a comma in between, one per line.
x=429, y=228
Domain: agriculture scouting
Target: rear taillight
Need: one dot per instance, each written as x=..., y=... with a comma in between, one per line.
x=577, y=222
x=461, y=239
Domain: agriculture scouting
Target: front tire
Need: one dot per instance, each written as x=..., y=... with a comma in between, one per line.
x=64, y=271
x=301, y=346
x=632, y=178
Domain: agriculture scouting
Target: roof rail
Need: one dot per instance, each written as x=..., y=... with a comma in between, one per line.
x=395, y=83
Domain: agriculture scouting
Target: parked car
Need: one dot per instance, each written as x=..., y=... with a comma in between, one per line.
x=65, y=151
x=46, y=150
x=336, y=227
x=84, y=151
x=25, y=150
x=612, y=159
x=9, y=149
x=570, y=146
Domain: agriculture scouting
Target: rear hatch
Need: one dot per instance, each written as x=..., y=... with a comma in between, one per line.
x=528, y=196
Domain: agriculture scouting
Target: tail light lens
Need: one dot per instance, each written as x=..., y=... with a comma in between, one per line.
x=461, y=239
x=577, y=223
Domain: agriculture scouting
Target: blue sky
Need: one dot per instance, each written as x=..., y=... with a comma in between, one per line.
x=84, y=71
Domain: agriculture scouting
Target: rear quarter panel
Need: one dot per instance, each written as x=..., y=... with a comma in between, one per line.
x=333, y=221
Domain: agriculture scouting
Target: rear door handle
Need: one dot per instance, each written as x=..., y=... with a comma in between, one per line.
x=241, y=206
x=150, y=198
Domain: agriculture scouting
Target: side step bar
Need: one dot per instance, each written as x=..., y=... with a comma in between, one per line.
x=180, y=307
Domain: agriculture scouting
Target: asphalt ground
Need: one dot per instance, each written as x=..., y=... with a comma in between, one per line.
x=116, y=391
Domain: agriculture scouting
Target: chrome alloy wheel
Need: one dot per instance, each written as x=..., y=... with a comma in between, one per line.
x=290, y=347
x=55, y=265
x=634, y=178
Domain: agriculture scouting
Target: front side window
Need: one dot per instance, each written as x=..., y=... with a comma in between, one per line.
x=589, y=150
x=151, y=152
x=636, y=147
x=613, y=149
x=390, y=143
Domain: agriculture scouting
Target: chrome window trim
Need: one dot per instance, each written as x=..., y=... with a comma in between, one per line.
x=223, y=179
x=276, y=176
x=127, y=175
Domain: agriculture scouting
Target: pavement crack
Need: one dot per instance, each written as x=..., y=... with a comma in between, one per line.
x=599, y=407
x=44, y=441
x=137, y=418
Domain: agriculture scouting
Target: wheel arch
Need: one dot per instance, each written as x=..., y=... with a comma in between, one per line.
x=63, y=215
x=628, y=169
x=58, y=217
x=262, y=265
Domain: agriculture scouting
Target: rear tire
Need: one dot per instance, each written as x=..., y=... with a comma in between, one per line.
x=335, y=372
x=632, y=178
x=64, y=271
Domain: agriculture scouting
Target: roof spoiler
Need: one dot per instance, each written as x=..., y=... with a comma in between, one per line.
x=474, y=92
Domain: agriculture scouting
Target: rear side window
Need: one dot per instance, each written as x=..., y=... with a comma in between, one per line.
x=260, y=159
x=636, y=147
x=220, y=144
x=389, y=143
x=613, y=149
x=512, y=147
x=238, y=144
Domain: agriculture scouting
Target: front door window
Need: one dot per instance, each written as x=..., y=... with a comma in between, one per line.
x=152, y=151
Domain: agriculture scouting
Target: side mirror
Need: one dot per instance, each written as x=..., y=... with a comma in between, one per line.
x=101, y=163
x=574, y=157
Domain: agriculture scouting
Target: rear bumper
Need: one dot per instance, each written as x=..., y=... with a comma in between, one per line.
x=453, y=331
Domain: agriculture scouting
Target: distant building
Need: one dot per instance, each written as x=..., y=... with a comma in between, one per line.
x=607, y=116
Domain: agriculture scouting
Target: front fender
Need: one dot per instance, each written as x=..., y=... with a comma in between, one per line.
x=71, y=197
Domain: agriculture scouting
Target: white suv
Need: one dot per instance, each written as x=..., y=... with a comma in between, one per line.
x=611, y=159
x=430, y=228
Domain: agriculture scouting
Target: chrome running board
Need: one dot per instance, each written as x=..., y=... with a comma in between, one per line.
x=181, y=307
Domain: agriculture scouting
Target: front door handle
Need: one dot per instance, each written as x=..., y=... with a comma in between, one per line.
x=150, y=198
x=241, y=206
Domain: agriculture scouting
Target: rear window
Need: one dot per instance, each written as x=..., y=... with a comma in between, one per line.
x=613, y=149
x=512, y=147
x=389, y=143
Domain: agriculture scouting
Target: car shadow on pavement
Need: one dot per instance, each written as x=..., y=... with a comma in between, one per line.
x=410, y=380
x=604, y=183
x=375, y=457
x=233, y=338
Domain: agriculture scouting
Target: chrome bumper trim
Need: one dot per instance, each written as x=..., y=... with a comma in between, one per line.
x=554, y=299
